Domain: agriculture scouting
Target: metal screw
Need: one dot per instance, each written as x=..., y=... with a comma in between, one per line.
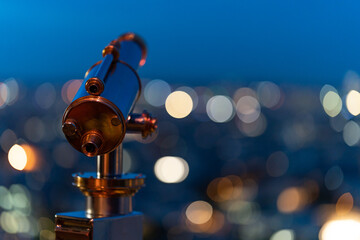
x=115, y=121
x=69, y=128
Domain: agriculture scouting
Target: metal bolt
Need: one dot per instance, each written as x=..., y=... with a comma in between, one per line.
x=115, y=121
x=69, y=128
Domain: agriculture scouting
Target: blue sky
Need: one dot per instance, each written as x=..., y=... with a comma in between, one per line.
x=189, y=41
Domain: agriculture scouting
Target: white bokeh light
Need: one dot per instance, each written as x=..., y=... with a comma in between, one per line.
x=332, y=103
x=171, y=169
x=285, y=234
x=348, y=229
x=156, y=92
x=179, y=104
x=220, y=109
x=352, y=102
x=351, y=133
x=17, y=157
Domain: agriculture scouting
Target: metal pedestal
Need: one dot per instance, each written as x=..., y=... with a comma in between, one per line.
x=78, y=226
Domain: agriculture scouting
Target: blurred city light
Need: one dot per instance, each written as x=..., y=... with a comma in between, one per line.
x=243, y=212
x=291, y=200
x=4, y=92
x=7, y=139
x=220, y=109
x=269, y=94
x=156, y=92
x=171, y=169
x=199, y=212
x=5, y=198
x=352, y=102
x=34, y=129
x=332, y=103
x=248, y=109
x=253, y=129
x=285, y=234
x=338, y=123
x=324, y=90
x=13, y=91
x=226, y=188
x=69, y=90
x=333, y=178
x=23, y=157
x=179, y=104
x=17, y=157
x=344, y=204
x=242, y=92
x=351, y=133
x=45, y=95
x=192, y=93
x=348, y=229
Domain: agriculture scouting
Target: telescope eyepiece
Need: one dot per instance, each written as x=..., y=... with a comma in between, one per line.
x=92, y=143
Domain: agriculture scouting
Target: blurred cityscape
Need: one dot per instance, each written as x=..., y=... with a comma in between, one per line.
x=229, y=160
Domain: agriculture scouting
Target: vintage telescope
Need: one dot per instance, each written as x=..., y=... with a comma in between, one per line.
x=95, y=124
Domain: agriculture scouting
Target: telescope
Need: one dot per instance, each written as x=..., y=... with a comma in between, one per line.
x=95, y=123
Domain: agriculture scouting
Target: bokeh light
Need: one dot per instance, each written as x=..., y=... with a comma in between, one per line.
x=179, y=104
x=171, y=169
x=224, y=189
x=13, y=91
x=344, y=204
x=351, y=133
x=34, y=129
x=5, y=198
x=23, y=157
x=156, y=92
x=194, y=96
x=324, y=90
x=333, y=178
x=269, y=94
x=348, y=229
x=243, y=212
x=242, y=92
x=220, y=109
x=253, y=129
x=291, y=200
x=199, y=212
x=332, y=103
x=248, y=109
x=352, y=102
x=7, y=139
x=70, y=89
x=284, y=234
x=45, y=95
x=4, y=92
x=17, y=157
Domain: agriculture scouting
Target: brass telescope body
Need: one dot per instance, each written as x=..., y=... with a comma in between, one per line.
x=95, y=124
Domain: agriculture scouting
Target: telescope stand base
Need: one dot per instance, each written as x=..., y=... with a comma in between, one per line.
x=78, y=226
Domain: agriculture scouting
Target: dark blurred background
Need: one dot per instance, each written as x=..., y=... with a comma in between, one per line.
x=257, y=103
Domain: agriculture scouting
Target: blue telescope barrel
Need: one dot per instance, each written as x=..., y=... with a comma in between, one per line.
x=95, y=121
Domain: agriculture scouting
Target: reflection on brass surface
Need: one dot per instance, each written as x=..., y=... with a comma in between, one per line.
x=126, y=184
x=95, y=113
x=143, y=123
